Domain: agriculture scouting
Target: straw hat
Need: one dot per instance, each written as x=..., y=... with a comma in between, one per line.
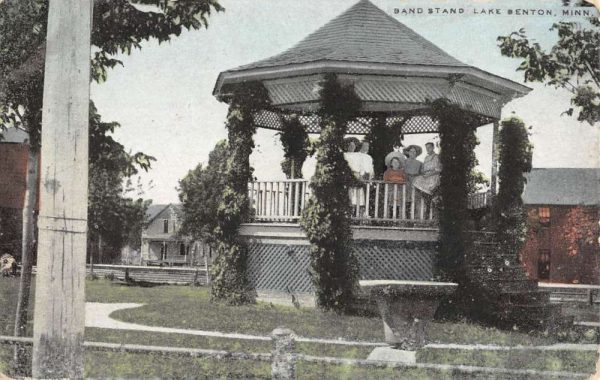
x=398, y=155
x=417, y=148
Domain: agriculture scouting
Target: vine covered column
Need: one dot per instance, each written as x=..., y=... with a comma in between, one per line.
x=294, y=139
x=457, y=144
x=326, y=219
x=229, y=280
x=515, y=154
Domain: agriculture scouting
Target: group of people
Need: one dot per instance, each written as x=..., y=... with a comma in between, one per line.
x=404, y=168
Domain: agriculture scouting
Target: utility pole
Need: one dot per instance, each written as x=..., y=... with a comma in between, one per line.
x=59, y=318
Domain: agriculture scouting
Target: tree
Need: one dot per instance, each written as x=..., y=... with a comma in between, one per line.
x=573, y=63
x=200, y=192
x=118, y=27
x=581, y=230
x=326, y=218
x=114, y=219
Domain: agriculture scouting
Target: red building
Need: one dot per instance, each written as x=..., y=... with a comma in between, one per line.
x=563, y=206
x=13, y=179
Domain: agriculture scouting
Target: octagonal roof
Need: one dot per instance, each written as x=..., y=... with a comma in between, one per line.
x=363, y=33
x=394, y=69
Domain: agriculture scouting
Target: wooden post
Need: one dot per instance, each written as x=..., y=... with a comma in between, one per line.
x=283, y=365
x=494, y=179
x=59, y=317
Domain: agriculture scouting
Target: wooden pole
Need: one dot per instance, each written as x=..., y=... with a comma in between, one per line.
x=494, y=179
x=59, y=317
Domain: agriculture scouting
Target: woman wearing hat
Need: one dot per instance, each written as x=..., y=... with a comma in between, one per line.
x=412, y=166
x=432, y=167
x=394, y=176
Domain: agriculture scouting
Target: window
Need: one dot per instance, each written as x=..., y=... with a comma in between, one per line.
x=544, y=215
x=163, y=251
x=544, y=264
x=166, y=226
x=181, y=249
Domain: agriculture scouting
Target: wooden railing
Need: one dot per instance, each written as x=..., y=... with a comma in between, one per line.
x=374, y=201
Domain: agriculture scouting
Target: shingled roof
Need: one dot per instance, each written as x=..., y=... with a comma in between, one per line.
x=364, y=33
x=563, y=187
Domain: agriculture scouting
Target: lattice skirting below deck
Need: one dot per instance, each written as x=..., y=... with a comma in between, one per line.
x=280, y=267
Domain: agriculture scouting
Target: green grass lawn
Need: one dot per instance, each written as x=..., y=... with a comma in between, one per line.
x=190, y=308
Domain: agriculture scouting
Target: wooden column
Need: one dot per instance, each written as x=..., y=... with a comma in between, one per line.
x=59, y=317
x=494, y=179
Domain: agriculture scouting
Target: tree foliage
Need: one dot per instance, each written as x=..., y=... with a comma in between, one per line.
x=457, y=155
x=200, y=192
x=112, y=214
x=581, y=230
x=515, y=155
x=294, y=139
x=326, y=218
x=573, y=63
x=230, y=283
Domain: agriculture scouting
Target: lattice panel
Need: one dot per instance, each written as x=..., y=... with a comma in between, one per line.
x=359, y=126
x=279, y=267
x=285, y=268
x=386, y=260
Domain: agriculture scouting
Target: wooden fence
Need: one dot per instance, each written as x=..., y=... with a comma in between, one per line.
x=283, y=359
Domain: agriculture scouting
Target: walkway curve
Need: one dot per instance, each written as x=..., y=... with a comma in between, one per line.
x=98, y=315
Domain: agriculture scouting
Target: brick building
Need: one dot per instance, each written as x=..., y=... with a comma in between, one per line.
x=563, y=206
x=13, y=180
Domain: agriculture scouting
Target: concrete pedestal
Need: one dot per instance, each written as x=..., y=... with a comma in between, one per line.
x=406, y=308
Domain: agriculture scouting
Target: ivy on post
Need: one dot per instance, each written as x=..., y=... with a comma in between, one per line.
x=294, y=139
x=457, y=144
x=515, y=154
x=326, y=219
x=229, y=281
x=382, y=140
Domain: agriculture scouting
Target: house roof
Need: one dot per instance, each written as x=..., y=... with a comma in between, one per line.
x=562, y=186
x=363, y=33
x=155, y=210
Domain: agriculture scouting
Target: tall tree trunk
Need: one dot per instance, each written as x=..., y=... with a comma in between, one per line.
x=27, y=252
x=100, y=258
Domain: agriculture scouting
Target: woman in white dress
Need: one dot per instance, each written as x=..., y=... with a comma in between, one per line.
x=429, y=180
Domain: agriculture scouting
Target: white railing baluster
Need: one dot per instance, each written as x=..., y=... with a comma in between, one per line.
x=412, y=203
x=394, y=212
x=422, y=206
x=367, y=196
x=278, y=211
x=303, y=186
x=403, y=201
x=376, y=200
x=385, y=200
x=296, y=197
x=356, y=198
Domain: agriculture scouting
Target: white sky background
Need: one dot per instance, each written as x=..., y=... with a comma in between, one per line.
x=162, y=97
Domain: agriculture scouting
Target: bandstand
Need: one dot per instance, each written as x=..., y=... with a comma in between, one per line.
x=397, y=74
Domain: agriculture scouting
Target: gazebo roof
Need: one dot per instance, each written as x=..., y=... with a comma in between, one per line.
x=363, y=33
x=394, y=71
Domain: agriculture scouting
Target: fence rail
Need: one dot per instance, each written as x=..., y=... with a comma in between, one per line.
x=283, y=359
x=283, y=201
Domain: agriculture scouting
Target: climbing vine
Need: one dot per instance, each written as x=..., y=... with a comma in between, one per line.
x=294, y=139
x=229, y=281
x=514, y=153
x=382, y=140
x=457, y=144
x=326, y=219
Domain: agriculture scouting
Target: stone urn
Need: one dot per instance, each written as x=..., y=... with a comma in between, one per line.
x=407, y=307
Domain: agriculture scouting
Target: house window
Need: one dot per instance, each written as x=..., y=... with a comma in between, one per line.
x=166, y=226
x=544, y=215
x=544, y=264
x=181, y=249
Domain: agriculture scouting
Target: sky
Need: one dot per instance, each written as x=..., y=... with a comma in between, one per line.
x=162, y=96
